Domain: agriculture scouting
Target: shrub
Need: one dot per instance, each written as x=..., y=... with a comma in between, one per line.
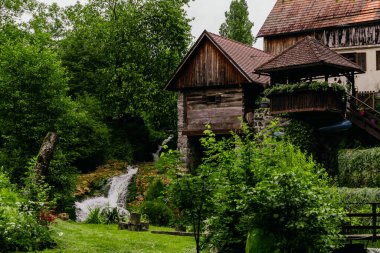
x=95, y=216
x=155, y=190
x=110, y=215
x=301, y=135
x=20, y=229
x=359, y=195
x=359, y=167
x=158, y=212
x=107, y=215
x=264, y=183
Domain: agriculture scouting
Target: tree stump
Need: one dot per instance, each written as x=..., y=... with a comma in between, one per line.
x=45, y=155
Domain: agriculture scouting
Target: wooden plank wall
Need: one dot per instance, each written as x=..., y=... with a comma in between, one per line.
x=277, y=45
x=350, y=36
x=223, y=115
x=208, y=67
x=333, y=38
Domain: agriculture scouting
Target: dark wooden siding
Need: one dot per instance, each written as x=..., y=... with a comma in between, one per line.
x=351, y=36
x=208, y=67
x=223, y=115
x=333, y=38
x=277, y=45
x=307, y=101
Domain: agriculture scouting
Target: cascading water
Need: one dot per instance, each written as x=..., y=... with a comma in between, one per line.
x=156, y=155
x=116, y=196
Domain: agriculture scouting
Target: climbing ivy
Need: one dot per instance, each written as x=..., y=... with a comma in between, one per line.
x=302, y=135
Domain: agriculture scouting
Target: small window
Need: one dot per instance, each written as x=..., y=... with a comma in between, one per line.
x=212, y=99
x=358, y=58
x=377, y=60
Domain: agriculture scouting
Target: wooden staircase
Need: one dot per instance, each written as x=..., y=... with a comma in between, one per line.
x=364, y=116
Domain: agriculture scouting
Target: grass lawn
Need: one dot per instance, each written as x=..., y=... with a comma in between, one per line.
x=76, y=237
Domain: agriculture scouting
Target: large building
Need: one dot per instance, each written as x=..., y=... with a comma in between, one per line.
x=351, y=28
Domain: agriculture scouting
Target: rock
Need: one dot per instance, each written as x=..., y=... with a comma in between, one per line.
x=63, y=216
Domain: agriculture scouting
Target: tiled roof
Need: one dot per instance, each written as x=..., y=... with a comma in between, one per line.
x=307, y=52
x=245, y=57
x=291, y=16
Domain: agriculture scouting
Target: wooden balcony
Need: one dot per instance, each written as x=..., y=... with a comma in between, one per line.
x=307, y=101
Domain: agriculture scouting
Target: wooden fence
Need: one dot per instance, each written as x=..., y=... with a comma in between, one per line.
x=367, y=97
x=363, y=225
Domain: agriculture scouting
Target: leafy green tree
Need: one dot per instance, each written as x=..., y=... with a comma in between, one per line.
x=237, y=25
x=258, y=185
x=34, y=101
x=138, y=44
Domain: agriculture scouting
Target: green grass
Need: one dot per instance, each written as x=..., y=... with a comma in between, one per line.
x=77, y=237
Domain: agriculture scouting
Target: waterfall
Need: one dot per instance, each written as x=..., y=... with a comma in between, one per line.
x=115, y=199
x=156, y=155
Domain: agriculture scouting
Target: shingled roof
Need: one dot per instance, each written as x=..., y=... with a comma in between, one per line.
x=244, y=58
x=292, y=16
x=308, y=52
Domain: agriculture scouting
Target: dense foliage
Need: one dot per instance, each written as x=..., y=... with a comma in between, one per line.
x=93, y=74
x=237, y=25
x=138, y=44
x=359, y=167
x=302, y=135
x=360, y=195
x=22, y=216
x=315, y=86
x=258, y=183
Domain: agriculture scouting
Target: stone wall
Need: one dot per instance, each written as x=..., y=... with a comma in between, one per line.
x=262, y=119
x=183, y=141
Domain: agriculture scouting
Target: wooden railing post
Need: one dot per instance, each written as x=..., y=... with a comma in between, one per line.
x=374, y=219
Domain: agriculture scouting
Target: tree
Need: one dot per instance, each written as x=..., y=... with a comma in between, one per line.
x=138, y=45
x=258, y=185
x=238, y=26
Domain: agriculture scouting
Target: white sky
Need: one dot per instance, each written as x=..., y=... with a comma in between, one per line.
x=209, y=14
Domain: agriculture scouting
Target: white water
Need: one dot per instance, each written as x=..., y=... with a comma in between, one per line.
x=156, y=155
x=116, y=196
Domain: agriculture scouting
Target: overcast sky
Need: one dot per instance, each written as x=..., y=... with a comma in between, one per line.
x=209, y=14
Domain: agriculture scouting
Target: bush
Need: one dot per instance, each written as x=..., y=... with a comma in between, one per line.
x=301, y=135
x=107, y=215
x=110, y=215
x=261, y=183
x=359, y=195
x=20, y=229
x=95, y=216
x=155, y=190
x=359, y=168
x=158, y=212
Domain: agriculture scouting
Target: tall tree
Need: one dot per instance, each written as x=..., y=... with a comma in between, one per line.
x=121, y=53
x=238, y=26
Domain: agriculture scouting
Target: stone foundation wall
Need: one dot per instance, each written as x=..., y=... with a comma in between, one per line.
x=262, y=119
x=183, y=141
x=186, y=145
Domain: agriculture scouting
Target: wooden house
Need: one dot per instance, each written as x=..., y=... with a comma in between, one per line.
x=351, y=28
x=305, y=61
x=216, y=85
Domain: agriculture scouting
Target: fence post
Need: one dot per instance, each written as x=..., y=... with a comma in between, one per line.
x=374, y=218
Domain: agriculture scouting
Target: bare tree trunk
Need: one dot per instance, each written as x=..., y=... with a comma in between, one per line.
x=45, y=155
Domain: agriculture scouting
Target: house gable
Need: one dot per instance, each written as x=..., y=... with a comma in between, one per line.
x=216, y=61
x=207, y=67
